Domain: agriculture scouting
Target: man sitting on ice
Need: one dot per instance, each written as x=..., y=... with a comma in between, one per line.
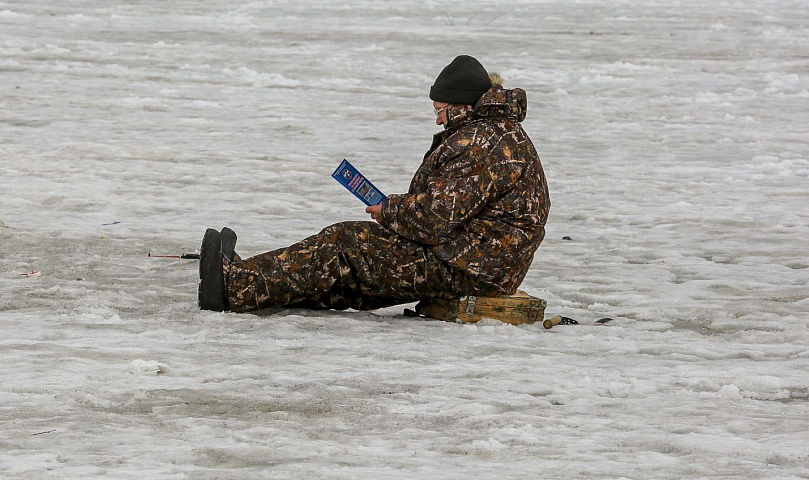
x=470, y=223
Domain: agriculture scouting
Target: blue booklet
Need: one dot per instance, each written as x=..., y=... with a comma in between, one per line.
x=356, y=183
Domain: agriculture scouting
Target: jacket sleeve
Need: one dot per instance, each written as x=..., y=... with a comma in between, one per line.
x=455, y=193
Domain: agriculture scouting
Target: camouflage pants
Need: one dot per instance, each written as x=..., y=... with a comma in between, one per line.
x=358, y=265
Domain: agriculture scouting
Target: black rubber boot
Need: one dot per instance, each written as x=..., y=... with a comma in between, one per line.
x=228, y=238
x=212, y=281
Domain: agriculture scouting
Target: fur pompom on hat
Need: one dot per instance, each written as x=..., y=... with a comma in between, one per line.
x=462, y=82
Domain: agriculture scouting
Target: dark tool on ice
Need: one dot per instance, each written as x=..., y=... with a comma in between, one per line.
x=193, y=256
x=560, y=320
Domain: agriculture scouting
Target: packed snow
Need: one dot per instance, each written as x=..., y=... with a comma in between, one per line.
x=675, y=138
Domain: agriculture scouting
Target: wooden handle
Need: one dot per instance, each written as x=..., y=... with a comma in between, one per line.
x=549, y=323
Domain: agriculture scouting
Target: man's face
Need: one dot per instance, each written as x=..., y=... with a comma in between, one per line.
x=441, y=115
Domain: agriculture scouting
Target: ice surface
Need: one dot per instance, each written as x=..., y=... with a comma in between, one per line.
x=674, y=137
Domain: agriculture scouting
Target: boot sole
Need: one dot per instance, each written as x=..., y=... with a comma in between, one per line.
x=212, y=283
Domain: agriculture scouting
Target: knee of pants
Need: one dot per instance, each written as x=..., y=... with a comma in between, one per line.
x=346, y=234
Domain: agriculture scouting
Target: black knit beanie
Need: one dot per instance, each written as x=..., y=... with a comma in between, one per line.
x=462, y=82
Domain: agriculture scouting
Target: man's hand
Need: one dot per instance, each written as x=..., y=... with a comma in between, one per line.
x=376, y=213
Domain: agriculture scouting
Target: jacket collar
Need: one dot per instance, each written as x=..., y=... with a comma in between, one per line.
x=496, y=103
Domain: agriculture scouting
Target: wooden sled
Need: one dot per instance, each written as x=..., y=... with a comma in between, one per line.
x=516, y=309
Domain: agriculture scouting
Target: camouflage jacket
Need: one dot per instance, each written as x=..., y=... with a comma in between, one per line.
x=480, y=199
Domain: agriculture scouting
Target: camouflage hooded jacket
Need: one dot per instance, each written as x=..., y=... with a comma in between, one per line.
x=480, y=198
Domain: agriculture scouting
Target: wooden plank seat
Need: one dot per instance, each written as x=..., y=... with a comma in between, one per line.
x=517, y=309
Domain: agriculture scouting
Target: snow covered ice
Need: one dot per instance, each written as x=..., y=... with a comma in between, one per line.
x=674, y=137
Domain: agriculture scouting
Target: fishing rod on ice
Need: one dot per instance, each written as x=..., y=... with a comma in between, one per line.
x=192, y=256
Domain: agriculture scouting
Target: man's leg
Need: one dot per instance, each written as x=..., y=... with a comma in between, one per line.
x=357, y=265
